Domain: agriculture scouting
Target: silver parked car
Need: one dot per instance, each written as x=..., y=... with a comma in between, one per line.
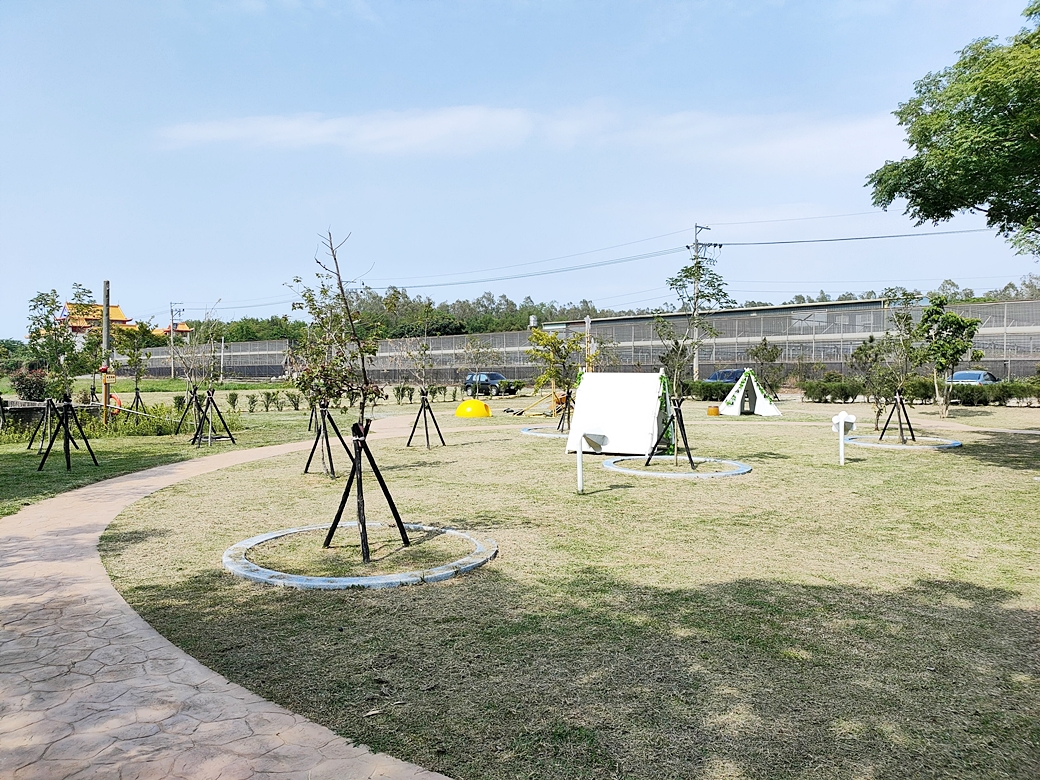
x=973, y=378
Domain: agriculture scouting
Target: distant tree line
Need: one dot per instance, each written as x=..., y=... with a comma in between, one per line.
x=396, y=314
x=1028, y=289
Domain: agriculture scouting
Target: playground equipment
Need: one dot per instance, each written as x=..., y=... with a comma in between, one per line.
x=472, y=408
x=748, y=397
x=630, y=410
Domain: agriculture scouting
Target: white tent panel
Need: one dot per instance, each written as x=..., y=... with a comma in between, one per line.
x=626, y=408
x=747, y=392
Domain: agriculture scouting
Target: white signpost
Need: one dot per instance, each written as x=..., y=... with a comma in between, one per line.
x=595, y=442
x=843, y=424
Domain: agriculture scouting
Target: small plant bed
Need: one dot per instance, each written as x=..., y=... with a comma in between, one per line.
x=893, y=443
x=302, y=553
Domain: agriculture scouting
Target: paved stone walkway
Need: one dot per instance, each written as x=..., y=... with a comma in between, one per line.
x=89, y=690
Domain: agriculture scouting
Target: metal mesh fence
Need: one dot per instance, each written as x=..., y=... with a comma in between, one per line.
x=826, y=333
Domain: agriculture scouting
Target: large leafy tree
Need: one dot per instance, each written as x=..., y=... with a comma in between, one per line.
x=975, y=132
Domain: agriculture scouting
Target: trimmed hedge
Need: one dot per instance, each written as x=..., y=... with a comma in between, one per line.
x=1000, y=393
x=841, y=391
x=707, y=391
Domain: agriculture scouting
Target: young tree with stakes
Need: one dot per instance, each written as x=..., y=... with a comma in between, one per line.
x=699, y=288
x=419, y=364
x=871, y=360
x=131, y=343
x=947, y=338
x=769, y=373
x=560, y=358
x=338, y=348
x=52, y=342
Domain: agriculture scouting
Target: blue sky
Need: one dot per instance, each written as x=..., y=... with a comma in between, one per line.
x=192, y=151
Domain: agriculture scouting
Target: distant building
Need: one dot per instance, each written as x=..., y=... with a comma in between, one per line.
x=179, y=329
x=82, y=317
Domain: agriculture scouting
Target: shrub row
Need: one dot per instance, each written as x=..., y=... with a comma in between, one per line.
x=841, y=391
x=707, y=391
x=1001, y=393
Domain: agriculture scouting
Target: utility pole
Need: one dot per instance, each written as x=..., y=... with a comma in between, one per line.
x=695, y=249
x=106, y=326
x=588, y=342
x=179, y=311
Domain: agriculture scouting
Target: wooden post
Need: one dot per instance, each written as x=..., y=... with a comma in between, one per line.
x=106, y=324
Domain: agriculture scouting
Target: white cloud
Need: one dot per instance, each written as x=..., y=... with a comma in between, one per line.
x=778, y=143
x=458, y=130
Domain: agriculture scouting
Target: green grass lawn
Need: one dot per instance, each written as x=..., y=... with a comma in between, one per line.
x=805, y=620
x=22, y=484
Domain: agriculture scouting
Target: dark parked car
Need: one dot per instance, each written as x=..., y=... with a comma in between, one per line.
x=727, y=375
x=487, y=383
x=973, y=378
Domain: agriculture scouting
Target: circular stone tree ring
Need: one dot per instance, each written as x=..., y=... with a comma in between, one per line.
x=736, y=468
x=544, y=430
x=936, y=443
x=235, y=561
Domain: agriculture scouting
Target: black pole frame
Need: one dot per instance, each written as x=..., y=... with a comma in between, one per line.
x=67, y=411
x=360, y=435
x=676, y=422
x=899, y=410
x=45, y=423
x=324, y=419
x=192, y=404
x=424, y=406
x=565, y=416
x=207, y=416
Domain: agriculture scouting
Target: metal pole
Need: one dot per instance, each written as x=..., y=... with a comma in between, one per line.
x=171, y=341
x=588, y=342
x=106, y=325
x=581, y=470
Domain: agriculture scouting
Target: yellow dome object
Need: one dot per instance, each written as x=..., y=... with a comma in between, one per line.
x=473, y=408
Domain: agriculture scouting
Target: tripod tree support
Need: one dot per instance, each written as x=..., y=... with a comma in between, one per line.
x=192, y=404
x=424, y=408
x=565, y=414
x=360, y=435
x=63, y=416
x=676, y=424
x=899, y=410
x=208, y=411
x=324, y=420
x=45, y=423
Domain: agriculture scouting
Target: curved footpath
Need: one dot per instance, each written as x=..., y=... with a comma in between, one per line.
x=89, y=690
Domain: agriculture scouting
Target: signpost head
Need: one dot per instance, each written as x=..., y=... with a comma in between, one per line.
x=596, y=441
x=843, y=423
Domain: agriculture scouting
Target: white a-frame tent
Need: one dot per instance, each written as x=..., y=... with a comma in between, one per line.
x=748, y=394
x=627, y=412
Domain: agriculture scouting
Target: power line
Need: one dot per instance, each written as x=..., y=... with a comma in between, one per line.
x=856, y=238
x=663, y=252
x=796, y=219
x=638, y=241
